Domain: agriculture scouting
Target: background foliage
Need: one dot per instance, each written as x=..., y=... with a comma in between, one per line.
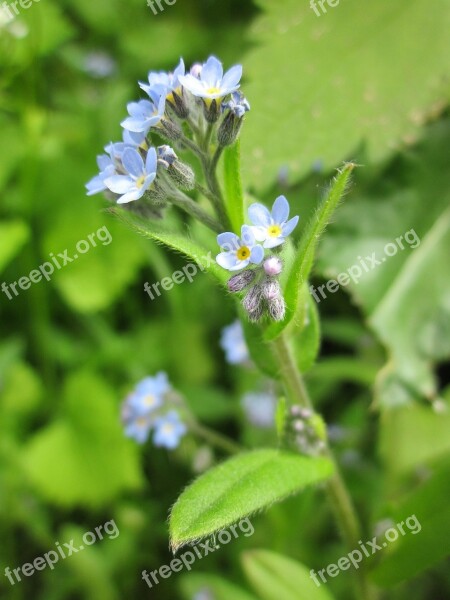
x=367, y=82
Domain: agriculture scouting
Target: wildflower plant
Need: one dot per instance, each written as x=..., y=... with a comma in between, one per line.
x=198, y=115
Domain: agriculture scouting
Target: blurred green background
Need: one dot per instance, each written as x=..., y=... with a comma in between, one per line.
x=367, y=82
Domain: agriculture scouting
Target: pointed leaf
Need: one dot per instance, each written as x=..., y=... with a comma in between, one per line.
x=240, y=487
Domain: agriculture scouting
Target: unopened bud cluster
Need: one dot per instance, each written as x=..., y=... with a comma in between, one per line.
x=263, y=292
x=305, y=431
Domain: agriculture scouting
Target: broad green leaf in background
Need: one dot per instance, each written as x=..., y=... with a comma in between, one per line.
x=307, y=340
x=414, y=552
x=234, y=195
x=82, y=457
x=240, y=487
x=13, y=235
x=211, y=585
x=341, y=79
x=304, y=258
x=277, y=577
x=406, y=293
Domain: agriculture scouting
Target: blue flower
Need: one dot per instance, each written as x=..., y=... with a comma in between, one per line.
x=169, y=429
x=239, y=251
x=259, y=408
x=238, y=104
x=140, y=176
x=212, y=83
x=107, y=169
x=233, y=343
x=144, y=114
x=272, y=228
x=168, y=81
x=138, y=428
x=148, y=394
x=135, y=139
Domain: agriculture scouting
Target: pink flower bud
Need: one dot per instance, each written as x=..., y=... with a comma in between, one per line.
x=273, y=266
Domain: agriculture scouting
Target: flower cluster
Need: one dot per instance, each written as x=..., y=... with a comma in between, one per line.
x=137, y=169
x=147, y=408
x=268, y=231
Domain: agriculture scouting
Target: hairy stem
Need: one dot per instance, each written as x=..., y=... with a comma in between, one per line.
x=192, y=208
x=338, y=494
x=215, y=439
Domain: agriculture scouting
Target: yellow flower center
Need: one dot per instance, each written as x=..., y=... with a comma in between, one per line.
x=149, y=400
x=141, y=421
x=140, y=181
x=213, y=90
x=243, y=253
x=167, y=428
x=274, y=231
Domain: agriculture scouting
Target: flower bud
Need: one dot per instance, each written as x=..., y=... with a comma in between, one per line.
x=271, y=289
x=238, y=282
x=156, y=194
x=253, y=303
x=178, y=104
x=182, y=175
x=229, y=129
x=273, y=266
x=211, y=110
x=166, y=156
x=277, y=308
x=169, y=129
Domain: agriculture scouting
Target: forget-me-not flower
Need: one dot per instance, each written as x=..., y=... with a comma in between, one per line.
x=238, y=252
x=237, y=104
x=144, y=114
x=272, y=228
x=232, y=342
x=107, y=169
x=148, y=394
x=140, y=176
x=169, y=81
x=138, y=427
x=169, y=429
x=212, y=84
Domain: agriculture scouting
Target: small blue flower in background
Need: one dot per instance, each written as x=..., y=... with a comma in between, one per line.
x=144, y=114
x=272, y=228
x=140, y=176
x=233, y=343
x=238, y=104
x=211, y=83
x=239, y=251
x=142, y=412
x=169, y=81
x=138, y=428
x=259, y=408
x=169, y=429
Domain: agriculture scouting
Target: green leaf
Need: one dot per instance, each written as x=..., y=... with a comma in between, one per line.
x=404, y=295
x=179, y=242
x=307, y=340
x=303, y=262
x=350, y=90
x=212, y=586
x=259, y=349
x=412, y=553
x=82, y=457
x=13, y=235
x=240, y=487
x=234, y=195
x=276, y=577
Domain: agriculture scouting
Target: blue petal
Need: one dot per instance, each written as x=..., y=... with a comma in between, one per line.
x=192, y=84
x=229, y=241
x=273, y=242
x=247, y=235
x=289, y=227
x=95, y=185
x=232, y=77
x=119, y=184
x=151, y=161
x=257, y=254
x=212, y=72
x=228, y=260
x=259, y=215
x=133, y=195
x=137, y=125
x=133, y=163
x=280, y=210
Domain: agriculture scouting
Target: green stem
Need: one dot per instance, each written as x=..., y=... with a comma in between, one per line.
x=192, y=208
x=216, y=193
x=215, y=439
x=338, y=494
